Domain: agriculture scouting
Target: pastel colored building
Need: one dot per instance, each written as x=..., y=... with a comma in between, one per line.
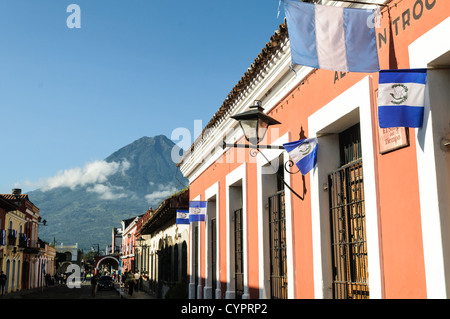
x=24, y=257
x=371, y=220
x=129, y=237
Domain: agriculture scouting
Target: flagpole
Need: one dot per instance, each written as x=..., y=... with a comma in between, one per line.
x=361, y=2
x=275, y=147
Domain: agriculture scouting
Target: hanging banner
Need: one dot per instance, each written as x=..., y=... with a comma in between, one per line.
x=401, y=98
x=303, y=153
x=182, y=216
x=332, y=38
x=197, y=211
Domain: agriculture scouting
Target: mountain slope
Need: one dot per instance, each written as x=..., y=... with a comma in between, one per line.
x=136, y=177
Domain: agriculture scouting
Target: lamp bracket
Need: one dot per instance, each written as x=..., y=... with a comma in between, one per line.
x=256, y=149
x=288, y=165
x=276, y=147
x=253, y=149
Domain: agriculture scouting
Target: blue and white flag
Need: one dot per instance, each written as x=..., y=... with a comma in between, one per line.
x=197, y=211
x=401, y=98
x=303, y=153
x=3, y=237
x=332, y=38
x=182, y=216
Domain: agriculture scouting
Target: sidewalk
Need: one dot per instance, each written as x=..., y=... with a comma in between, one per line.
x=20, y=294
x=123, y=292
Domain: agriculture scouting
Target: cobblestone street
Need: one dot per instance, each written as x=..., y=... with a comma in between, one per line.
x=84, y=292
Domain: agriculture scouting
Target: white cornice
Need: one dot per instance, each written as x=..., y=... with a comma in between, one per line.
x=273, y=83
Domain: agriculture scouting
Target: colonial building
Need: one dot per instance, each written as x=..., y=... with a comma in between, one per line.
x=12, y=254
x=162, y=248
x=116, y=242
x=49, y=256
x=24, y=256
x=371, y=219
x=129, y=243
x=69, y=255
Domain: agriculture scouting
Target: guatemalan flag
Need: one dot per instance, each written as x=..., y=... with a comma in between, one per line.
x=182, y=216
x=197, y=211
x=401, y=98
x=332, y=38
x=303, y=153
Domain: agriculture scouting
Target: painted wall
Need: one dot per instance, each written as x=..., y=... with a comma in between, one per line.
x=397, y=259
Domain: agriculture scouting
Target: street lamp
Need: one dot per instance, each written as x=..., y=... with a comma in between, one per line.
x=254, y=123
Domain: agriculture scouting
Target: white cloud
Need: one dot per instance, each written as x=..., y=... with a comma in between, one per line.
x=106, y=192
x=93, y=173
x=162, y=193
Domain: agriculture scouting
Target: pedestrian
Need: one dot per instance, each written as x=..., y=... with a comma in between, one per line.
x=93, y=285
x=136, y=279
x=2, y=282
x=47, y=280
x=130, y=281
x=124, y=277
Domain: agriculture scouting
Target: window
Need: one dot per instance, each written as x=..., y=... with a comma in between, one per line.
x=238, y=254
x=277, y=232
x=347, y=220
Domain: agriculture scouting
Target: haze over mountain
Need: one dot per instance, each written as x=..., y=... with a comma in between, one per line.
x=82, y=205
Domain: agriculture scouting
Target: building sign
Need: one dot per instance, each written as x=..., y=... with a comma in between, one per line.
x=391, y=139
x=407, y=19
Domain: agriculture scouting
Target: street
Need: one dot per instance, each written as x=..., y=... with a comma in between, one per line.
x=61, y=291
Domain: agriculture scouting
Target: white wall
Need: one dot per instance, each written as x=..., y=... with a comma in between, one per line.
x=433, y=162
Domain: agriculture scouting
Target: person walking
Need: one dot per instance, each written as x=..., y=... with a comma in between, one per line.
x=130, y=281
x=93, y=284
x=2, y=282
x=137, y=276
x=123, y=279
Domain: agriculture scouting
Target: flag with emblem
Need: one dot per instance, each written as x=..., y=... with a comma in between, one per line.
x=332, y=38
x=197, y=211
x=182, y=216
x=303, y=153
x=401, y=98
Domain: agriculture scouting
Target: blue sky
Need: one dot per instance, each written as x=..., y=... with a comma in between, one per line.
x=135, y=68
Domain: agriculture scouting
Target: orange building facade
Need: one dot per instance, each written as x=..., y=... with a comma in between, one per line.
x=371, y=219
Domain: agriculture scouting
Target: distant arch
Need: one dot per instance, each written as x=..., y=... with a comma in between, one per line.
x=100, y=259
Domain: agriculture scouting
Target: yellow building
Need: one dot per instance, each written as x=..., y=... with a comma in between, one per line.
x=49, y=256
x=12, y=261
